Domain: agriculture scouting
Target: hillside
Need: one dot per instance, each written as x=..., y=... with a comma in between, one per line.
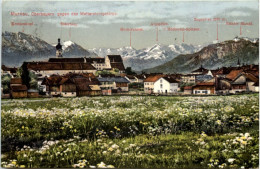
x=20, y=47
x=213, y=56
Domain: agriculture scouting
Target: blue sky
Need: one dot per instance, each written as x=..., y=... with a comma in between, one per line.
x=104, y=31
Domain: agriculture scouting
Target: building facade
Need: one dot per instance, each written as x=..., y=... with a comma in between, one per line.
x=165, y=85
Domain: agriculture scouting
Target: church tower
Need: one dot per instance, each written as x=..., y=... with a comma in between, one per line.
x=59, y=49
x=238, y=63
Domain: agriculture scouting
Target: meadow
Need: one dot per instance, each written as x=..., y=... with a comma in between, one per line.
x=131, y=131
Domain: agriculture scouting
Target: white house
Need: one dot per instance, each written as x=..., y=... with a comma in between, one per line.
x=149, y=82
x=166, y=85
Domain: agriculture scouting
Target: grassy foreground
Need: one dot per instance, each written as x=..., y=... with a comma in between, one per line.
x=140, y=132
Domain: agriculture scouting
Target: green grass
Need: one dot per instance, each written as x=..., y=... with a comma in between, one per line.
x=166, y=131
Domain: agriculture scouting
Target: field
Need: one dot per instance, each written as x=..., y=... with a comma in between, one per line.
x=131, y=131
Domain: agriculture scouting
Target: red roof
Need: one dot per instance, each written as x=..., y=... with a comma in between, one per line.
x=251, y=77
x=153, y=78
x=233, y=74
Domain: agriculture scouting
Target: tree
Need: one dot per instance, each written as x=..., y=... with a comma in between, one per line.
x=25, y=75
x=129, y=71
x=19, y=72
x=102, y=72
x=6, y=79
x=33, y=80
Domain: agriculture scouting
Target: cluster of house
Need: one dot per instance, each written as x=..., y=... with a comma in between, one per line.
x=203, y=81
x=70, y=77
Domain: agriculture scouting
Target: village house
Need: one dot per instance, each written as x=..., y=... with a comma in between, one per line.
x=188, y=78
x=140, y=78
x=87, y=86
x=204, y=88
x=149, y=82
x=114, y=83
x=8, y=70
x=32, y=93
x=52, y=85
x=244, y=82
x=165, y=85
x=223, y=85
x=16, y=81
x=72, y=85
x=131, y=78
x=187, y=90
x=98, y=63
x=115, y=62
x=18, y=90
x=67, y=87
x=203, y=78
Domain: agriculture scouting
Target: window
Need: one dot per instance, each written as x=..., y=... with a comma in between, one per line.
x=72, y=92
x=161, y=81
x=161, y=85
x=158, y=91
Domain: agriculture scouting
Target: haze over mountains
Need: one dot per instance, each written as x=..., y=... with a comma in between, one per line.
x=181, y=58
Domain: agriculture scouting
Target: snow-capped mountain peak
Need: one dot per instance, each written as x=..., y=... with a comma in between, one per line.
x=18, y=47
x=148, y=57
x=67, y=44
x=253, y=40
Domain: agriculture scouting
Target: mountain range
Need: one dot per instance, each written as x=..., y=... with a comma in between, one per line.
x=179, y=58
x=139, y=59
x=20, y=47
x=214, y=56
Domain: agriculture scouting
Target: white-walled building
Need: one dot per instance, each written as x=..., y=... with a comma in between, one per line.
x=149, y=82
x=165, y=85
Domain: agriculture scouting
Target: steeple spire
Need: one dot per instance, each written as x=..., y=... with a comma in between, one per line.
x=59, y=49
x=238, y=63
